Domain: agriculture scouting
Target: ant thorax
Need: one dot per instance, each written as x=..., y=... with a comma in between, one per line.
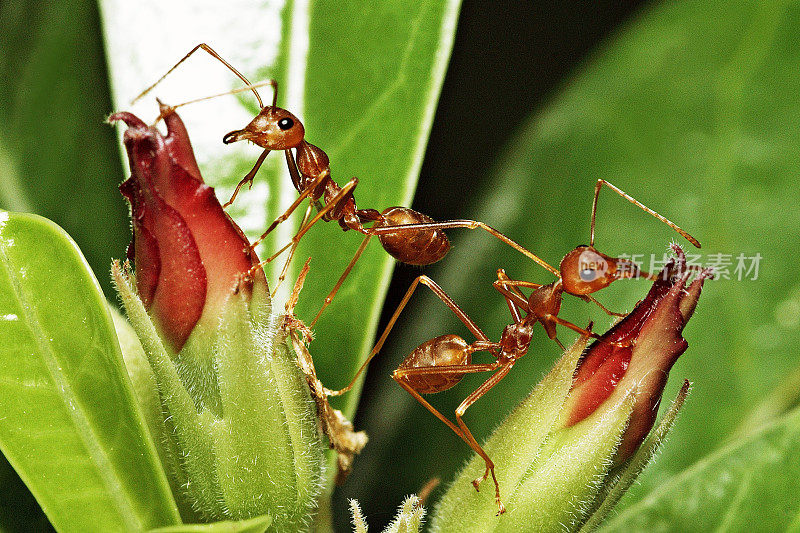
x=546, y=300
x=311, y=160
x=515, y=340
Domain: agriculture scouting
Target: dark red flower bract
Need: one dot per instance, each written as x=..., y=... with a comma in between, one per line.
x=188, y=253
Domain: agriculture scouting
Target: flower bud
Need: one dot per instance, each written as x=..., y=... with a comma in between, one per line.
x=636, y=355
x=566, y=454
x=240, y=433
x=188, y=252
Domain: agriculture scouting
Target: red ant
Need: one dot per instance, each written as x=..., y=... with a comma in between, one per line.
x=441, y=363
x=407, y=235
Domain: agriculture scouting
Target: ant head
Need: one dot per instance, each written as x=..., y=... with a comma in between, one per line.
x=584, y=270
x=273, y=128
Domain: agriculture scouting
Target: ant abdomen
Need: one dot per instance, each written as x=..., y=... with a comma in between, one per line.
x=445, y=350
x=413, y=246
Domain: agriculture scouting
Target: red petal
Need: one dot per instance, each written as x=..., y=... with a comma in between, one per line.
x=178, y=143
x=170, y=276
x=189, y=254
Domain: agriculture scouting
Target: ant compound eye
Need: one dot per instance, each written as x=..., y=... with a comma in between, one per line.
x=588, y=274
x=591, y=266
x=285, y=123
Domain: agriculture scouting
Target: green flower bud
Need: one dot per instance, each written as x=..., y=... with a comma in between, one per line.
x=408, y=520
x=240, y=432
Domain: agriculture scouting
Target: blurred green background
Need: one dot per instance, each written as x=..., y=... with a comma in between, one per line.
x=692, y=107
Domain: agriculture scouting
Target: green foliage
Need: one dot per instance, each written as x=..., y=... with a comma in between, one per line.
x=372, y=115
x=258, y=524
x=748, y=485
x=70, y=426
x=53, y=102
x=354, y=114
x=365, y=90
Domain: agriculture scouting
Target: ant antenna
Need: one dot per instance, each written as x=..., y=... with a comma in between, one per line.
x=215, y=55
x=634, y=201
x=272, y=83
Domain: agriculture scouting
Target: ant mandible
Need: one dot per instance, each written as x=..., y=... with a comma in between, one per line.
x=407, y=235
x=441, y=363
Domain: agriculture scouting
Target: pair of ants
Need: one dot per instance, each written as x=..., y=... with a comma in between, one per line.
x=414, y=238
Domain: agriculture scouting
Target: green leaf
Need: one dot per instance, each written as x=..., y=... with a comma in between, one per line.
x=70, y=426
x=690, y=108
x=53, y=142
x=750, y=484
x=258, y=524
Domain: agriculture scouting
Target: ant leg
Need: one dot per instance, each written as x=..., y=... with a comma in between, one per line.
x=292, y=324
x=249, y=177
x=634, y=201
x=290, y=320
x=514, y=298
x=469, y=224
x=516, y=302
x=282, y=276
x=462, y=316
x=514, y=308
x=291, y=303
x=303, y=195
x=215, y=55
x=417, y=396
x=590, y=298
x=400, y=373
x=463, y=432
x=350, y=265
x=443, y=296
x=513, y=285
x=348, y=187
x=570, y=325
x=472, y=398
